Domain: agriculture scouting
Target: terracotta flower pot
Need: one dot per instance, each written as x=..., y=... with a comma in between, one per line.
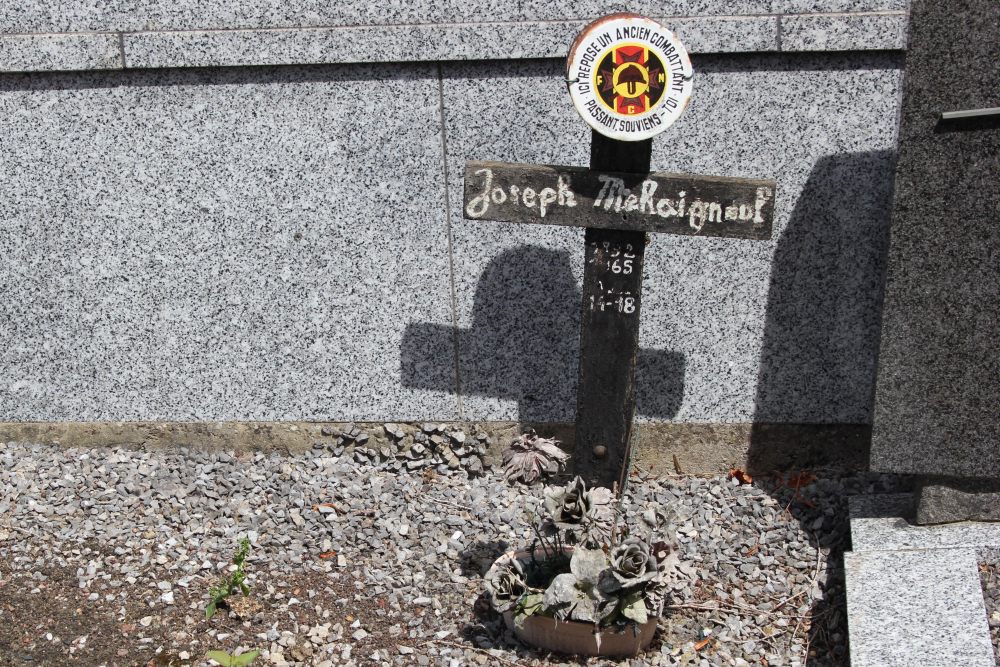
x=577, y=638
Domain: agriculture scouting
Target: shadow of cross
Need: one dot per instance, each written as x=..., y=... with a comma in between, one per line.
x=618, y=201
x=525, y=349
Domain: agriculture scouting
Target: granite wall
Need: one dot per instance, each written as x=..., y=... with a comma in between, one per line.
x=263, y=222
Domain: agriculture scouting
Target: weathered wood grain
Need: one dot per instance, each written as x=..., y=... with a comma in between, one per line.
x=609, y=332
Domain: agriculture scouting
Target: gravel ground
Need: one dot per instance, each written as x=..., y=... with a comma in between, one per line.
x=989, y=575
x=107, y=555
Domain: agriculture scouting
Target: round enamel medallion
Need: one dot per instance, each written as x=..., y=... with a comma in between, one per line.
x=629, y=77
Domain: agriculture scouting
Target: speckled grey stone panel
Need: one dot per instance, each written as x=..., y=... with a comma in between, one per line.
x=939, y=365
x=349, y=45
x=832, y=6
x=481, y=41
x=827, y=32
x=48, y=35
x=883, y=523
x=221, y=244
x=922, y=607
x=731, y=330
x=131, y=15
x=781, y=331
x=42, y=53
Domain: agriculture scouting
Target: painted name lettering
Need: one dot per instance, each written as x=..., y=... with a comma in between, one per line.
x=540, y=200
x=614, y=196
x=659, y=202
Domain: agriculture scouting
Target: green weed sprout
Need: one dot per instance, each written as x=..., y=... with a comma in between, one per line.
x=227, y=660
x=230, y=584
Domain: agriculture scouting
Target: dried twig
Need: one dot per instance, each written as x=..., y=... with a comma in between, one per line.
x=451, y=504
x=770, y=639
x=789, y=599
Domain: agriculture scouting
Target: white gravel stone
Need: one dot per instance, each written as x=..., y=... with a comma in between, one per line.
x=177, y=515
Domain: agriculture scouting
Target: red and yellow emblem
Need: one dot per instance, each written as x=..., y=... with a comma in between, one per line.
x=630, y=79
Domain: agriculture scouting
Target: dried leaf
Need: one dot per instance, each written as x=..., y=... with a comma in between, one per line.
x=530, y=458
x=740, y=475
x=551, y=449
x=243, y=607
x=315, y=508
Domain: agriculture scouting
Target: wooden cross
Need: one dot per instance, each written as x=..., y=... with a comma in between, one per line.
x=618, y=201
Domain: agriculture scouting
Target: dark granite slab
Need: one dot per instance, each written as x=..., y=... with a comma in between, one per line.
x=938, y=385
x=943, y=500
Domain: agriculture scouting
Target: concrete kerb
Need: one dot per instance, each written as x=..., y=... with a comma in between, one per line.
x=659, y=448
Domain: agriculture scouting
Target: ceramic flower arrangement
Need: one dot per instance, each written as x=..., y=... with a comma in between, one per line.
x=584, y=567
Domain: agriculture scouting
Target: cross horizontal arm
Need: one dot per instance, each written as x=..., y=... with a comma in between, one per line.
x=683, y=204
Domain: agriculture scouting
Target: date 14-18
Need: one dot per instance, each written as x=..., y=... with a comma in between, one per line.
x=612, y=299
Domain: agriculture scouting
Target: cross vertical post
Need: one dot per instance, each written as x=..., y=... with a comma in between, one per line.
x=609, y=330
